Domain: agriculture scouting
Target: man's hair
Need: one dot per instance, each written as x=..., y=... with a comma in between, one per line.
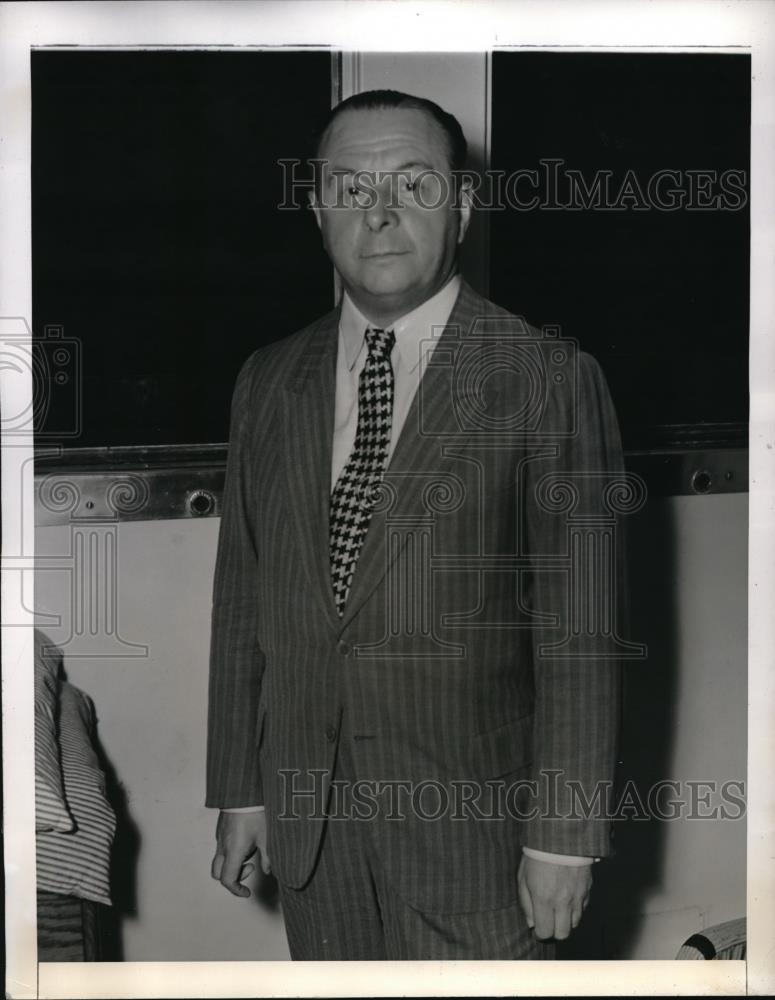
x=372, y=100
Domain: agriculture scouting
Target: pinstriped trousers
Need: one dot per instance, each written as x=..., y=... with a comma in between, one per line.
x=349, y=911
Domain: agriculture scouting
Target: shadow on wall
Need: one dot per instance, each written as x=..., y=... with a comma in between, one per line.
x=123, y=862
x=267, y=893
x=613, y=919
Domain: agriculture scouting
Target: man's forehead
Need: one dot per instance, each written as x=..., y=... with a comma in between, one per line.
x=403, y=135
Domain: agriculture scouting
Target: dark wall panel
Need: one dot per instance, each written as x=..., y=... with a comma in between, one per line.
x=157, y=243
x=659, y=295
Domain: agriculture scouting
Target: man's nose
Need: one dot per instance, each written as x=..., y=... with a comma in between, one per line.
x=380, y=213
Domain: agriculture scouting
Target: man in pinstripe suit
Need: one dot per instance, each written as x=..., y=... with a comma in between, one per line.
x=398, y=716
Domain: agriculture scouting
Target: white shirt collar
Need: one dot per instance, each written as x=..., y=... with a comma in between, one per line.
x=419, y=325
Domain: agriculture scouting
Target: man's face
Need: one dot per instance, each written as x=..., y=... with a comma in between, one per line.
x=391, y=233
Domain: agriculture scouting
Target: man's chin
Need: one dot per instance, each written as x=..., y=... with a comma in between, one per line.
x=389, y=286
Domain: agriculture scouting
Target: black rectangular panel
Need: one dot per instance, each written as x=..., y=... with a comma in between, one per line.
x=160, y=258
x=625, y=181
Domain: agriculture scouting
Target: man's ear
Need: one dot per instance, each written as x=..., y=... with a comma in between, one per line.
x=464, y=207
x=315, y=206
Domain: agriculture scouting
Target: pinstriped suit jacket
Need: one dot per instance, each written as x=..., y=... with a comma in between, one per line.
x=438, y=671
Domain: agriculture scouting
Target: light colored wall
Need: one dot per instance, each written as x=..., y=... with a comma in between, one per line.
x=685, y=717
x=152, y=723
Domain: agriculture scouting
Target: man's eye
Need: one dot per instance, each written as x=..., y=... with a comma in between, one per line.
x=352, y=190
x=410, y=185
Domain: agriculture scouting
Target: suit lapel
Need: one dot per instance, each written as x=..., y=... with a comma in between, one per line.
x=309, y=426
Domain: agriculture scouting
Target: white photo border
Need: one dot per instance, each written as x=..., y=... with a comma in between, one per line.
x=351, y=25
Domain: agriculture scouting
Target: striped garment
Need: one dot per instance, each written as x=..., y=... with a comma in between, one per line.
x=51, y=812
x=77, y=863
x=68, y=929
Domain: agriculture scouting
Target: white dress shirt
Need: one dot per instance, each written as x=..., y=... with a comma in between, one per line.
x=416, y=334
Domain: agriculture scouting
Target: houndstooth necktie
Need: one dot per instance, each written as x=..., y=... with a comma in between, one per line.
x=352, y=501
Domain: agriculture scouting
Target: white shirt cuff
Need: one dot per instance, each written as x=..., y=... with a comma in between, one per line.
x=572, y=860
x=244, y=809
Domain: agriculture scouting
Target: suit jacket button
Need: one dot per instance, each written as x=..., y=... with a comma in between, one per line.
x=331, y=733
x=345, y=648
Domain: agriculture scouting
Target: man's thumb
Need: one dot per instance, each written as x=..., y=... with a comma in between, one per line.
x=230, y=879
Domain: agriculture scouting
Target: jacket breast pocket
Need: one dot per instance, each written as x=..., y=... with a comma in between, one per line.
x=507, y=748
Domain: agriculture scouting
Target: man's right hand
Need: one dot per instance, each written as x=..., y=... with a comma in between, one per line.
x=238, y=835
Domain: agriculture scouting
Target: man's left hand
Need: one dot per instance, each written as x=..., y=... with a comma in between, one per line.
x=553, y=896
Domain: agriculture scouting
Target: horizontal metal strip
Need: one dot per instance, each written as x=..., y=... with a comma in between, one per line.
x=128, y=495
x=692, y=472
x=111, y=487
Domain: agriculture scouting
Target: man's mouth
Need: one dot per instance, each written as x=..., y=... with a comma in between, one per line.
x=384, y=254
